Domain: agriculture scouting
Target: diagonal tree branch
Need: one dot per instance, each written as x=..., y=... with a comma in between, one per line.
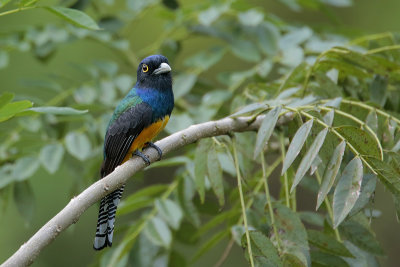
x=27, y=253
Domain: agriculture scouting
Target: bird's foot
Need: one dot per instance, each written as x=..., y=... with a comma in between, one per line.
x=151, y=144
x=143, y=156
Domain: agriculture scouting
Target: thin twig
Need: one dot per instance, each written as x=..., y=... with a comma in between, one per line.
x=242, y=203
x=225, y=254
x=285, y=176
x=269, y=202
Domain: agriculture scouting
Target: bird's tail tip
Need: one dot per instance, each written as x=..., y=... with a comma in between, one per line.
x=99, y=243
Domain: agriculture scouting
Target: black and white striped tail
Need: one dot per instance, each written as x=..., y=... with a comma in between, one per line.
x=105, y=222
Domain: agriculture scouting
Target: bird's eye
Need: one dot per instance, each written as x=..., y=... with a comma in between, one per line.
x=145, y=68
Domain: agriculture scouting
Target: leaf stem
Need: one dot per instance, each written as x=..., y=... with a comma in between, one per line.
x=260, y=183
x=372, y=37
x=12, y=11
x=225, y=253
x=363, y=105
x=268, y=197
x=382, y=49
x=239, y=181
x=285, y=177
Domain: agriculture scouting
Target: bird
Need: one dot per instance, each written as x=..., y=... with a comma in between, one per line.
x=140, y=116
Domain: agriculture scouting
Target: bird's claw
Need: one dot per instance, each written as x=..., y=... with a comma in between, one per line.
x=151, y=144
x=143, y=156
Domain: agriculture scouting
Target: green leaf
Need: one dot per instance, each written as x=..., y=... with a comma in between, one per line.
x=186, y=192
x=378, y=90
x=308, y=159
x=76, y=17
x=50, y=156
x=205, y=59
x=266, y=128
x=227, y=163
x=292, y=234
x=248, y=109
x=6, y=176
x=362, y=258
x=25, y=167
x=117, y=255
x=237, y=232
x=245, y=49
x=140, y=199
x=176, y=259
x=214, y=173
x=335, y=103
x=387, y=174
x=178, y=122
x=208, y=16
x=251, y=17
x=123, y=82
x=357, y=59
x=200, y=166
x=327, y=243
x=268, y=36
x=170, y=212
x=5, y=98
x=24, y=200
x=361, y=236
x=296, y=145
x=58, y=110
x=183, y=83
x=216, y=221
x=158, y=232
x=372, y=120
x=347, y=190
x=326, y=87
x=312, y=218
x=367, y=190
x=328, y=117
x=11, y=109
x=261, y=246
x=78, y=145
x=330, y=172
x=319, y=258
x=3, y=3
x=293, y=76
x=174, y=161
x=338, y=3
x=27, y=3
x=362, y=141
x=210, y=243
x=4, y=59
x=295, y=37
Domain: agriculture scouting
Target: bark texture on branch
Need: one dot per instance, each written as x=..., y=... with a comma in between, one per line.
x=27, y=253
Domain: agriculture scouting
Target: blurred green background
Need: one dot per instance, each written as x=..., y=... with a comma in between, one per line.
x=52, y=192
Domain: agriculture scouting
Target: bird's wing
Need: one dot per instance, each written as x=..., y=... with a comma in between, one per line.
x=121, y=134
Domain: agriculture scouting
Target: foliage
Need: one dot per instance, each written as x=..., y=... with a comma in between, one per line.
x=341, y=97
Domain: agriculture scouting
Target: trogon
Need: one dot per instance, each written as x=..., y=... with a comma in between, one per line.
x=137, y=119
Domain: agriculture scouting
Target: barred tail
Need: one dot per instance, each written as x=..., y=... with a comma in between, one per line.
x=105, y=222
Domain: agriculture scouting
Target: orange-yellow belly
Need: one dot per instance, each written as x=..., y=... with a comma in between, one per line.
x=146, y=136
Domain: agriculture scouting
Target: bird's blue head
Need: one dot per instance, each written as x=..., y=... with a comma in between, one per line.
x=154, y=72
